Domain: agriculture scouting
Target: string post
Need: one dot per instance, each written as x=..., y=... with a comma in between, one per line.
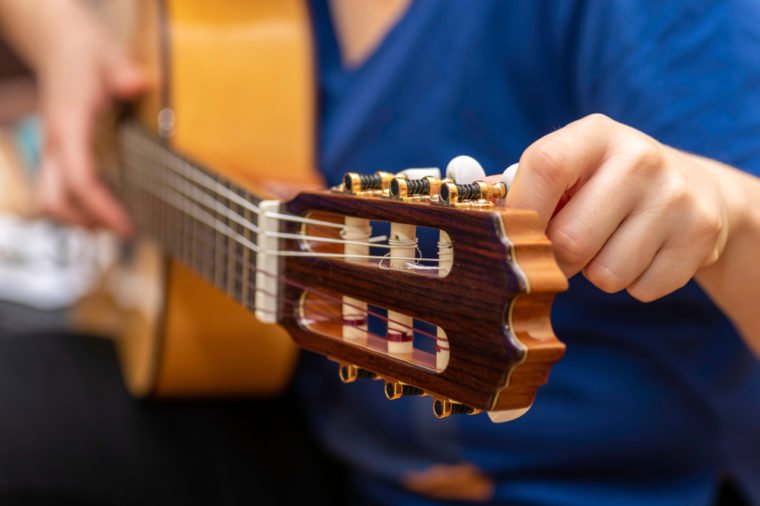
x=367, y=185
x=477, y=194
x=396, y=390
x=444, y=408
x=406, y=189
x=348, y=373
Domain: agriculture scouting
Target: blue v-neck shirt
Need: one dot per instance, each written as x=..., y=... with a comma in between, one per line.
x=653, y=403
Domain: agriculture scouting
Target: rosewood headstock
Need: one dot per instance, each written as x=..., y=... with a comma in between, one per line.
x=467, y=324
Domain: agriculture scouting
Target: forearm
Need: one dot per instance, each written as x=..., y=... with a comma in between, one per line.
x=30, y=26
x=733, y=281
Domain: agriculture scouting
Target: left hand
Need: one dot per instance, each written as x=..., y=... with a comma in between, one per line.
x=635, y=214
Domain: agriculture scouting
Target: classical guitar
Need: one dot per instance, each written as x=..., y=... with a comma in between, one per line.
x=231, y=263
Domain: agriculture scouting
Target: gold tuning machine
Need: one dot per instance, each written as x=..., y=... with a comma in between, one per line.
x=367, y=185
x=396, y=390
x=477, y=194
x=425, y=188
x=349, y=373
x=444, y=408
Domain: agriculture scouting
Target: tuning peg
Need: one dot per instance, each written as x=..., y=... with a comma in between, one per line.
x=395, y=390
x=367, y=184
x=508, y=176
x=403, y=188
x=444, y=408
x=349, y=373
x=464, y=169
x=452, y=194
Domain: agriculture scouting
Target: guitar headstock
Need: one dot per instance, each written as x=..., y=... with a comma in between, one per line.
x=466, y=322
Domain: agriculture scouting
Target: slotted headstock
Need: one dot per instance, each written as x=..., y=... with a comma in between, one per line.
x=485, y=310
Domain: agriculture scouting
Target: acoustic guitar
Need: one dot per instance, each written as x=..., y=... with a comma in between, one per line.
x=241, y=250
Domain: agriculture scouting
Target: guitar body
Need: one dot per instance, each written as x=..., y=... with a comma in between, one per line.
x=233, y=88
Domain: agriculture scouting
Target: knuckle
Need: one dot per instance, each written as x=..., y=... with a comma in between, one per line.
x=545, y=158
x=708, y=226
x=711, y=257
x=676, y=196
x=598, y=119
x=569, y=247
x=604, y=278
x=646, y=157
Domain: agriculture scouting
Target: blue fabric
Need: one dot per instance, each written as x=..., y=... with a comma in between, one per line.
x=653, y=403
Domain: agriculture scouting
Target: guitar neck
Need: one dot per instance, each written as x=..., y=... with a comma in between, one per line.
x=205, y=221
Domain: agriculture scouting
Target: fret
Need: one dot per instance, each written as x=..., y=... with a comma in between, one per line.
x=239, y=251
x=217, y=249
x=193, y=244
x=219, y=260
x=177, y=203
x=230, y=252
x=246, y=268
x=254, y=238
x=164, y=221
x=208, y=241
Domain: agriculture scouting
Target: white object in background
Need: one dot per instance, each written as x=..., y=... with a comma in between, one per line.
x=464, y=169
x=419, y=173
x=43, y=265
x=509, y=175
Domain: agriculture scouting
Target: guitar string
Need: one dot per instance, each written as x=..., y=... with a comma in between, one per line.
x=296, y=305
x=237, y=259
x=353, y=306
x=215, y=224
x=367, y=312
x=183, y=201
x=193, y=174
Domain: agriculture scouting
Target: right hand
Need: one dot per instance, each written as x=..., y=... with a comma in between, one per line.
x=82, y=71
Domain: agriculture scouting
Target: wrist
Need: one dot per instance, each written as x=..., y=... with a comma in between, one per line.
x=735, y=189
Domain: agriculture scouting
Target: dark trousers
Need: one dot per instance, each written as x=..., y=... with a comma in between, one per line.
x=70, y=434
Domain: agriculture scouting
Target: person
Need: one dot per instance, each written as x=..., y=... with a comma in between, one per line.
x=656, y=400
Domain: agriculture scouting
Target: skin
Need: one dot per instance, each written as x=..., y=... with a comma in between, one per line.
x=80, y=70
x=633, y=214
x=626, y=211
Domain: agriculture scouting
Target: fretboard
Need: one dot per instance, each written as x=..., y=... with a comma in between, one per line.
x=200, y=218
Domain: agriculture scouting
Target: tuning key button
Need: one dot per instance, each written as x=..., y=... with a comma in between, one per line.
x=419, y=173
x=508, y=176
x=395, y=390
x=444, y=408
x=464, y=169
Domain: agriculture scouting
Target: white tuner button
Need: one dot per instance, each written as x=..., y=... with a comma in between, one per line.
x=464, y=169
x=419, y=173
x=509, y=175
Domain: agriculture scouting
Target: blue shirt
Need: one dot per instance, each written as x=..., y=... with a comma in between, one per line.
x=653, y=403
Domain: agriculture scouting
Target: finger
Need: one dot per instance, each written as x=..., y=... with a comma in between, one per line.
x=92, y=195
x=52, y=198
x=671, y=269
x=593, y=214
x=124, y=77
x=554, y=164
x=628, y=253
x=78, y=168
